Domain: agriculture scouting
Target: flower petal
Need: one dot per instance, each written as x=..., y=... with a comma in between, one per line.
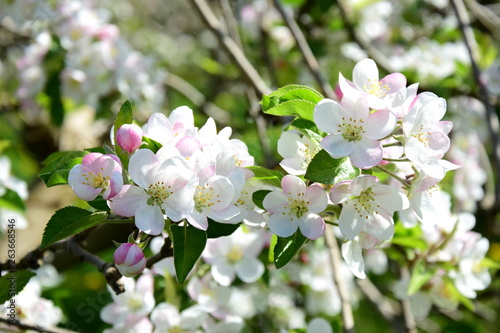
x=365, y=72
x=249, y=269
x=337, y=146
x=353, y=256
x=282, y=225
x=327, y=115
x=222, y=272
x=350, y=221
x=128, y=200
x=149, y=219
x=312, y=226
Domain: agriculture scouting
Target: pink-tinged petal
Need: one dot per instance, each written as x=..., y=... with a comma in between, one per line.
x=366, y=153
x=77, y=181
x=364, y=73
x=316, y=198
x=337, y=146
x=327, y=115
x=115, y=185
x=367, y=241
x=140, y=165
x=282, y=225
x=129, y=137
x=340, y=192
x=293, y=186
x=357, y=109
x=187, y=146
x=361, y=183
x=445, y=126
x=350, y=221
x=90, y=158
x=394, y=82
x=380, y=124
x=347, y=88
x=275, y=202
x=149, y=219
x=380, y=226
x=353, y=256
x=249, y=269
x=198, y=220
x=312, y=226
x=128, y=200
x=222, y=272
x=439, y=143
x=390, y=198
x=182, y=117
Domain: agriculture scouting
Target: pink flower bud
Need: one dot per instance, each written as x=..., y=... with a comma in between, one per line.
x=129, y=259
x=129, y=137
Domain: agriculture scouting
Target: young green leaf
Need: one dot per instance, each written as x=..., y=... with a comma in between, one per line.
x=328, y=170
x=124, y=116
x=296, y=108
x=150, y=144
x=19, y=279
x=69, y=221
x=57, y=166
x=420, y=275
x=216, y=229
x=12, y=201
x=258, y=197
x=189, y=243
x=266, y=176
x=286, y=248
x=292, y=100
x=308, y=128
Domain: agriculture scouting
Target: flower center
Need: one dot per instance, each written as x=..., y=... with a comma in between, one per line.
x=422, y=136
x=309, y=152
x=134, y=303
x=351, y=130
x=365, y=203
x=97, y=180
x=297, y=207
x=235, y=254
x=375, y=88
x=158, y=193
x=204, y=197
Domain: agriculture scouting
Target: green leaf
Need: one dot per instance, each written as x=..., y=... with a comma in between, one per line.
x=69, y=221
x=151, y=144
x=328, y=170
x=216, y=229
x=189, y=243
x=295, y=108
x=58, y=165
x=124, y=116
x=13, y=283
x=99, y=204
x=286, y=248
x=266, y=176
x=411, y=242
x=11, y=200
x=308, y=128
x=258, y=197
x=292, y=100
x=100, y=150
x=420, y=275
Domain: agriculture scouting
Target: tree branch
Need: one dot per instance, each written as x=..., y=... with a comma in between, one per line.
x=35, y=328
x=304, y=48
x=239, y=58
x=347, y=315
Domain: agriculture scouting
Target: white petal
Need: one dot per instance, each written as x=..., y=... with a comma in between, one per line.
x=353, y=256
x=223, y=272
x=312, y=226
x=249, y=269
x=128, y=200
x=149, y=219
x=140, y=166
x=282, y=225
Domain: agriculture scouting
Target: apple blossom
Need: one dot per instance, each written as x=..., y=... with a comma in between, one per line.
x=296, y=206
x=129, y=137
x=367, y=206
x=297, y=152
x=98, y=174
x=235, y=255
x=366, y=84
x=166, y=318
x=352, y=130
x=162, y=186
x=129, y=259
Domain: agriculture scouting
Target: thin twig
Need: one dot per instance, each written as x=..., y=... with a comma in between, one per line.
x=335, y=261
x=380, y=58
x=304, y=48
x=211, y=21
x=486, y=16
x=20, y=325
x=411, y=325
x=165, y=252
x=491, y=116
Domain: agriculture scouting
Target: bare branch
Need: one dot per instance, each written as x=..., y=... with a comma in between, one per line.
x=304, y=48
x=35, y=328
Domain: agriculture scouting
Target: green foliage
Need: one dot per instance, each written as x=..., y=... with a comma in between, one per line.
x=258, y=197
x=57, y=166
x=12, y=201
x=216, y=229
x=69, y=221
x=328, y=170
x=420, y=275
x=189, y=243
x=292, y=100
x=286, y=248
x=151, y=144
x=309, y=128
x=17, y=279
x=99, y=204
x=266, y=176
